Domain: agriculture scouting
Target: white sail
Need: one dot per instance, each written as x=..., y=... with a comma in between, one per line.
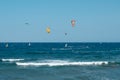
x=66, y=45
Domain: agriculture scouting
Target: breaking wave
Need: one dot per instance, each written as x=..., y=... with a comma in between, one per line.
x=61, y=63
x=11, y=60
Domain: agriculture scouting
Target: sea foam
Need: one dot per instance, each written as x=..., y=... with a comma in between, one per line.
x=61, y=63
x=11, y=60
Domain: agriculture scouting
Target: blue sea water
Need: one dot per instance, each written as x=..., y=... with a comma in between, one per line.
x=58, y=61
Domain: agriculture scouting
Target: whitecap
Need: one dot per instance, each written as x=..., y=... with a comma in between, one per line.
x=61, y=63
x=11, y=60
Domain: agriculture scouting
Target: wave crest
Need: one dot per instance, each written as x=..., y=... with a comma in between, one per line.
x=61, y=63
x=11, y=60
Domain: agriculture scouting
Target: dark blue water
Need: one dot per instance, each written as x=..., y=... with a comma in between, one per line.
x=60, y=61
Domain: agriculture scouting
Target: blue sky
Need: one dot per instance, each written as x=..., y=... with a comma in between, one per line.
x=96, y=20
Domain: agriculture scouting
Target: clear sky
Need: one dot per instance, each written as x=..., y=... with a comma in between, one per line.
x=96, y=20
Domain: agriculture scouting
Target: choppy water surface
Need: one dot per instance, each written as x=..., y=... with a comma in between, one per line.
x=58, y=61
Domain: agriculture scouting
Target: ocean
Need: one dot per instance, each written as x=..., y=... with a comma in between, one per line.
x=60, y=61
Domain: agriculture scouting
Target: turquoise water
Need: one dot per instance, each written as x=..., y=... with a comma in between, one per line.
x=58, y=61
